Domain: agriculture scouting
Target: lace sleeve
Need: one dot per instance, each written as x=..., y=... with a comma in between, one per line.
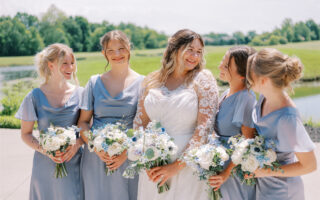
x=208, y=100
x=141, y=119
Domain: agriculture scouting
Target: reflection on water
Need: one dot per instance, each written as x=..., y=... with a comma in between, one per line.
x=14, y=73
x=309, y=107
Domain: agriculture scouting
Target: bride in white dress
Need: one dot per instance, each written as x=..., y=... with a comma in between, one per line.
x=183, y=97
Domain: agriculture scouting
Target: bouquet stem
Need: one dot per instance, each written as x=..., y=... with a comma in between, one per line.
x=165, y=187
x=215, y=195
x=109, y=172
x=250, y=181
x=61, y=170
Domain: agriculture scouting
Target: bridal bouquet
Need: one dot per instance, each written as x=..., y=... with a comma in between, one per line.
x=207, y=160
x=149, y=148
x=58, y=139
x=111, y=138
x=250, y=154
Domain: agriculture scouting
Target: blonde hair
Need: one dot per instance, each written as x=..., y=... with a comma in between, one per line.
x=114, y=35
x=180, y=40
x=280, y=68
x=54, y=52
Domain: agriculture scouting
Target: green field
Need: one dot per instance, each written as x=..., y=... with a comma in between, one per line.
x=146, y=61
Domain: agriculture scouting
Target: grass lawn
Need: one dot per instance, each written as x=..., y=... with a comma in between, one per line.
x=146, y=61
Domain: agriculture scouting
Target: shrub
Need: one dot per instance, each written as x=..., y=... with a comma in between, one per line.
x=9, y=122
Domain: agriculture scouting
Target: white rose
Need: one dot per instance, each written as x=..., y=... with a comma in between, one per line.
x=135, y=152
x=63, y=138
x=114, y=149
x=244, y=144
x=223, y=154
x=73, y=139
x=53, y=144
x=271, y=155
x=205, y=158
x=237, y=156
x=97, y=143
x=148, y=140
x=251, y=164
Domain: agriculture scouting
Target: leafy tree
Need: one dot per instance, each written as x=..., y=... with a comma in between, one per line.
x=16, y=40
x=287, y=29
x=239, y=37
x=94, y=44
x=301, y=32
x=250, y=36
x=256, y=41
x=314, y=29
x=28, y=20
x=73, y=33
x=85, y=30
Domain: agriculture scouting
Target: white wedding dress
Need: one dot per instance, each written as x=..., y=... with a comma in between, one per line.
x=187, y=114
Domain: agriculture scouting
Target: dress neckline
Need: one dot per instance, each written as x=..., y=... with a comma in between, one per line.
x=273, y=112
x=224, y=96
x=65, y=104
x=181, y=86
x=121, y=92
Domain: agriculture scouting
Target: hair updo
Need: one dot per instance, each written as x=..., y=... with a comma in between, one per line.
x=280, y=68
x=52, y=53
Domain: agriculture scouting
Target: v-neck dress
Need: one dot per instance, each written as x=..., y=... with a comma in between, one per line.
x=44, y=186
x=285, y=127
x=234, y=112
x=108, y=109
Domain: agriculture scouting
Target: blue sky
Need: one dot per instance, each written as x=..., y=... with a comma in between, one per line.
x=202, y=16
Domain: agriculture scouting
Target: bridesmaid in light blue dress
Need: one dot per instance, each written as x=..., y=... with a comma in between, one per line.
x=109, y=98
x=234, y=117
x=276, y=117
x=56, y=104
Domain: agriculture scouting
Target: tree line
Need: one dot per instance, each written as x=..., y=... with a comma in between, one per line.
x=26, y=34
x=288, y=32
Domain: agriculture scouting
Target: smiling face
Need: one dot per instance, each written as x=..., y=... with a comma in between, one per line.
x=228, y=70
x=65, y=70
x=191, y=56
x=68, y=67
x=116, y=53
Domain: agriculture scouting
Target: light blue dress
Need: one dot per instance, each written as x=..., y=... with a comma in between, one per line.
x=234, y=112
x=285, y=127
x=44, y=186
x=108, y=109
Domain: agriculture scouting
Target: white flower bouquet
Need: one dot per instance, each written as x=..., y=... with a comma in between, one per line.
x=207, y=160
x=58, y=139
x=250, y=154
x=149, y=148
x=111, y=138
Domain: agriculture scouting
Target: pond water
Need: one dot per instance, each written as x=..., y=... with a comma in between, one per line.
x=14, y=73
x=309, y=107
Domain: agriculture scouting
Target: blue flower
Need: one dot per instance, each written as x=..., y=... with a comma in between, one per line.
x=105, y=147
